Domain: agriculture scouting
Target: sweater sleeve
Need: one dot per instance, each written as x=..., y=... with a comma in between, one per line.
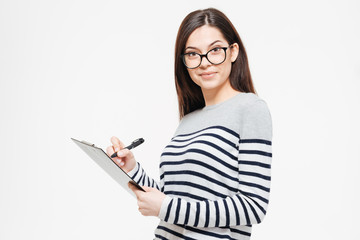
x=248, y=206
x=140, y=177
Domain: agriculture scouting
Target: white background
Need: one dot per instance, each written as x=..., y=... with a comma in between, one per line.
x=94, y=69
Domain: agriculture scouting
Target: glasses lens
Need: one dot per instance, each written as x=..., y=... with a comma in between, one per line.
x=192, y=60
x=214, y=56
x=217, y=55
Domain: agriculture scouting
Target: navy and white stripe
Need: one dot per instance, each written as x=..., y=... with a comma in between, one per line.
x=213, y=179
x=216, y=181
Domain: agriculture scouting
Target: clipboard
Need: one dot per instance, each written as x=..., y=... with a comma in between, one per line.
x=109, y=166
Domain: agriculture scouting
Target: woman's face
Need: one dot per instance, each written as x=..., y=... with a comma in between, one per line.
x=208, y=76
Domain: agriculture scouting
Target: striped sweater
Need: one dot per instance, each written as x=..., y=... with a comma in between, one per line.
x=215, y=172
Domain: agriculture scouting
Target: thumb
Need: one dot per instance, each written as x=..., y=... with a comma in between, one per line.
x=133, y=188
x=148, y=189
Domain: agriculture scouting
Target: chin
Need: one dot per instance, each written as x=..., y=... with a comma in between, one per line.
x=209, y=84
x=209, y=87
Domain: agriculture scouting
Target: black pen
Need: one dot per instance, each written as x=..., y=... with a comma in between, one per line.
x=134, y=144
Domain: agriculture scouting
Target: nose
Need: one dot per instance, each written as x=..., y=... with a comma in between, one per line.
x=204, y=62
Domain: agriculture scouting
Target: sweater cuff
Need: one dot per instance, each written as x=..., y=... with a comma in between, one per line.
x=164, y=207
x=133, y=172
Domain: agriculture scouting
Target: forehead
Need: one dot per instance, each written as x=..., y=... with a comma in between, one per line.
x=204, y=36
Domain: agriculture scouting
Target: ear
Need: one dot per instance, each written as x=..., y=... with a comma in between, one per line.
x=234, y=52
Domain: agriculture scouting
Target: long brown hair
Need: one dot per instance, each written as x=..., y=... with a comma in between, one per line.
x=189, y=94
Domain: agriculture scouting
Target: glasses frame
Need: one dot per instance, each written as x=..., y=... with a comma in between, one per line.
x=206, y=56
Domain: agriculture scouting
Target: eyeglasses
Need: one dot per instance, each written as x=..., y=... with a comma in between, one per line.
x=215, y=56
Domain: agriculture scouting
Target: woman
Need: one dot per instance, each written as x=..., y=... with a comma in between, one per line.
x=215, y=172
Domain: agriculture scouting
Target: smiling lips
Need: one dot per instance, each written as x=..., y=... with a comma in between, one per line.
x=207, y=75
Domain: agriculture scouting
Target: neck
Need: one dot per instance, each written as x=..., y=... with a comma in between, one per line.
x=215, y=96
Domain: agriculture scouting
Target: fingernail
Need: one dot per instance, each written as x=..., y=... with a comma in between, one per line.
x=122, y=164
x=120, y=154
x=118, y=160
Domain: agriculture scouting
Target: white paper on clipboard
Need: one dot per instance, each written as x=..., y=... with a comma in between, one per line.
x=106, y=163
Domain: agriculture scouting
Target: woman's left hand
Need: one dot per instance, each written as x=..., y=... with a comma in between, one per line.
x=149, y=202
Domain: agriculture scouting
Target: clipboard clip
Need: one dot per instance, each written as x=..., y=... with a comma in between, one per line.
x=87, y=143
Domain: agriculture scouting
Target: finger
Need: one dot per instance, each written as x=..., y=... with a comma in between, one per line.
x=110, y=150
x=123, y=152
x=144, y=212
x=134, y=189
x=117, y=144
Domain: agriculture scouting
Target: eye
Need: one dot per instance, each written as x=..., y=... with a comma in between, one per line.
x=191, y=54
x=216, y=50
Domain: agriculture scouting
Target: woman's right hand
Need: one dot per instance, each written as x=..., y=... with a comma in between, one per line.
x=125, y=158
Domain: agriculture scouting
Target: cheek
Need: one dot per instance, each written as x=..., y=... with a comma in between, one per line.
x=229, y=69
x=226, y=70
x=193, y=76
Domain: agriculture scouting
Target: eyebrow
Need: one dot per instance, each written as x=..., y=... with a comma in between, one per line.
x=208, y=46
